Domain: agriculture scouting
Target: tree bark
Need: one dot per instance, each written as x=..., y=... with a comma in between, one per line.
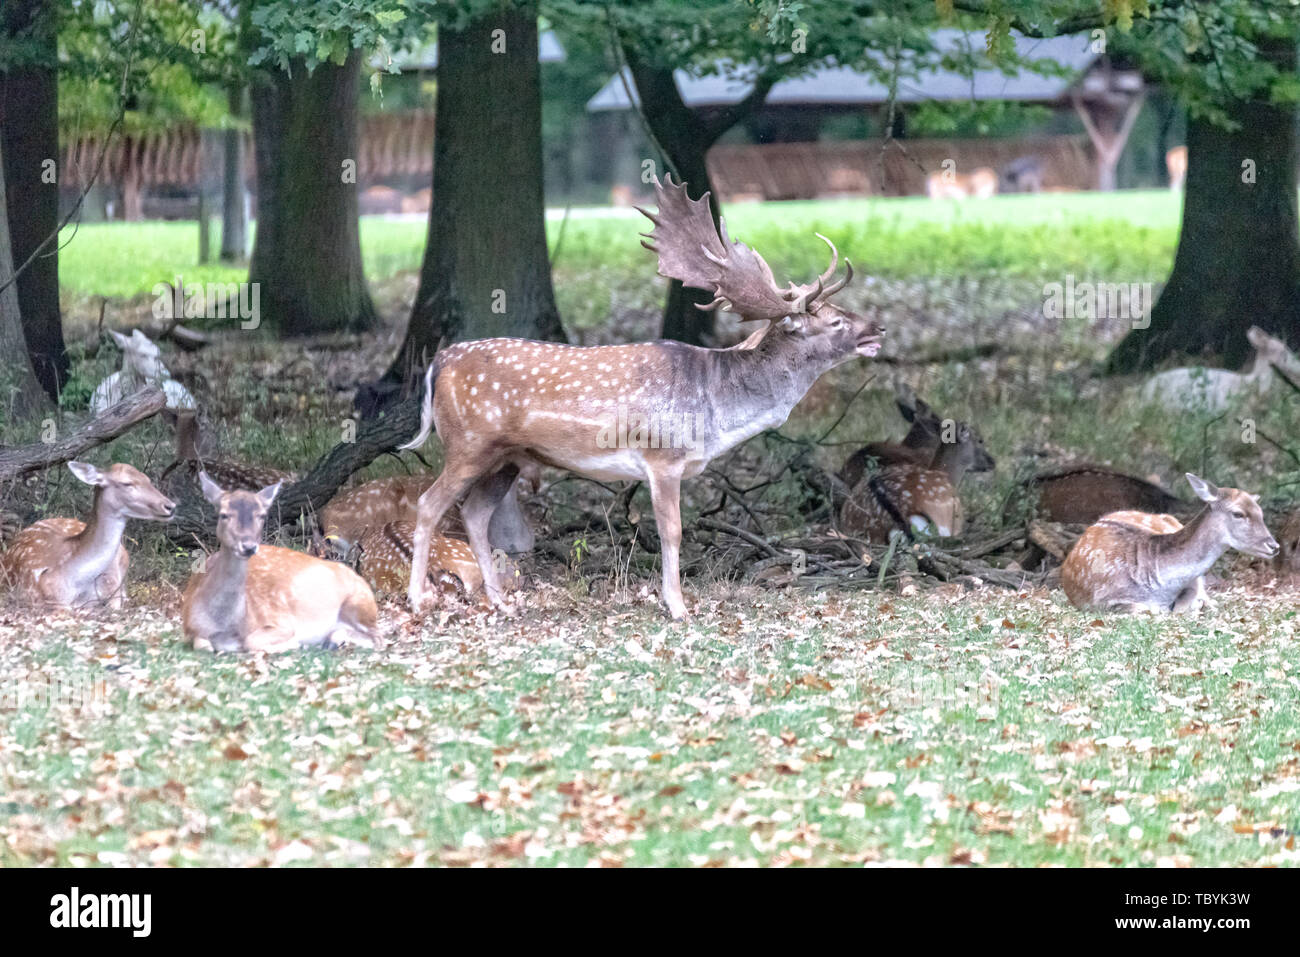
x=307, y=248
x=1238, y=259
x=135, y=408
x=21, y=396
x=486, y=271
x=686, y=136
x=29, y=138
x=234, y=208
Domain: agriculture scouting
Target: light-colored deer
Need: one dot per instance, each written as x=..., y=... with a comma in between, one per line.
x=980, y=183
x=350, y=514
x=656, y=412
x=69, y=563
x=141, y=365
x=1131, y=561
x=1199, y=389
x=913, y=498
x=255, y=597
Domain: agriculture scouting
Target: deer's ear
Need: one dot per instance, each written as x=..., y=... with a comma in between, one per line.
x=791, y=323
x=87, y=473
x=268, y=494
x=1205, y=491
x=211, y=490
x=122, y=341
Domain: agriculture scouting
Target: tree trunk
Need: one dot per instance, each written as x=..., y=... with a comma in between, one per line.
x=234, y=207
x=1238, y=260
x=308, y=262
x=29, y=139
x=21, y=396
x=485, y=271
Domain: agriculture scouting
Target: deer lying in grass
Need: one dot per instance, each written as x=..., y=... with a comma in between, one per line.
x=141, y=365
x=350, y=514
x=229, y=475
x=1130, y=561
x=980, y=183
x=918, y=446
x=1212, y=391
x=255, y=597
x=73, y=564
x=656, y=412
x=912, y=498
x=1082, y=493
x=384, y=561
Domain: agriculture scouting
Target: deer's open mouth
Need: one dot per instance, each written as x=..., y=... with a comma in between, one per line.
x=868, y=346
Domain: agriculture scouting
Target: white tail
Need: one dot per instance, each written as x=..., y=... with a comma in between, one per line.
x=70, y=563
x=1198, y=389
x=1130, y=561
x=911, y=498
x=255, y=597
x=141, y=365
x=656, y=412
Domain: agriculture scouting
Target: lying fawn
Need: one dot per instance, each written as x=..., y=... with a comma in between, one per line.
x=229, y=475
x=385, y=562
x=912, y=498
x=351, y=513
x=656, y=412
x=70, y=563
x=1199, y=389
x=141, y=365
x=918, y=446
x=1129, y=561
x=255, y=597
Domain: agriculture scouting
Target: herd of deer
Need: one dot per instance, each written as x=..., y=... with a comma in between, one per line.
x=504, y=407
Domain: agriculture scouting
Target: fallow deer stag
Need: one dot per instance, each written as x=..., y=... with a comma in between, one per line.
x=255, y=597
x=656, y=412
x=1130, y=561
x=70, y=563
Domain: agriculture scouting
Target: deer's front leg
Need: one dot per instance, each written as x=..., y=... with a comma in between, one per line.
x=665, y=494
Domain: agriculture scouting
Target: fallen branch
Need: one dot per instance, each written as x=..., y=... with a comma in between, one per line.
x=126, y=414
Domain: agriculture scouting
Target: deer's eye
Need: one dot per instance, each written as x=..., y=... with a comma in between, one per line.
x=1238, y=514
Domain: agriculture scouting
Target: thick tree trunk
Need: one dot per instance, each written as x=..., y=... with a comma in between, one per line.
x=29, y=137
x=307, y=248
x=21, y=396
x=485, y=271
x=1238, y=260
x=234, y=207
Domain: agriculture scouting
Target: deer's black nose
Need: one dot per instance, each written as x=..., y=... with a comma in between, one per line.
x=248, y=550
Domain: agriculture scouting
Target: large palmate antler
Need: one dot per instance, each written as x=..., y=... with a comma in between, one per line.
x=690, y=249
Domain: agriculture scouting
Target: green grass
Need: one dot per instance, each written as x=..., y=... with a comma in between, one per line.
x=775, y=729
x=1128, y=234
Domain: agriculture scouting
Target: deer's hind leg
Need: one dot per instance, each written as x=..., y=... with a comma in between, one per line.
x=482, y=501
x=457, y=476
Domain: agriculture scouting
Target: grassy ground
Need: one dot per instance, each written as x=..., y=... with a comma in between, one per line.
x=914, y=725
x=774, y=729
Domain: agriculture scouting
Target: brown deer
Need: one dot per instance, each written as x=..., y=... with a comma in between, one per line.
x=656, y=412
x=350, y=514
x=72, y=564
x=918, y=446
x=384, y=561
x=1176, y=165
x=229, y=475
x=255, y=597
x=910, y=498
x=1130, y=561
x=1082, y=493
